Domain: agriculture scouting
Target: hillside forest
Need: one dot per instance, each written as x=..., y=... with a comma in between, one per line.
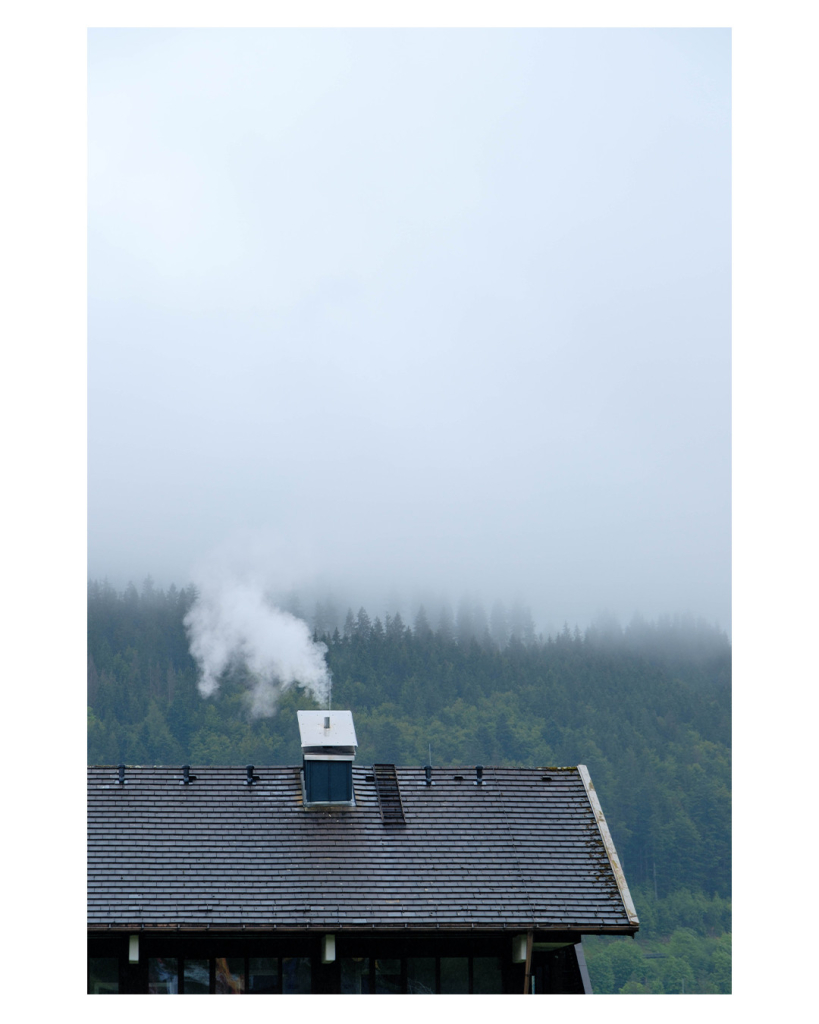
x=646, y=707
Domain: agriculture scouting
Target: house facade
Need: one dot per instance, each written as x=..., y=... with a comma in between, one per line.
x=330, y=877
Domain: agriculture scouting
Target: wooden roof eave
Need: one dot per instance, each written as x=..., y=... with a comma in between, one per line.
x=392, y=928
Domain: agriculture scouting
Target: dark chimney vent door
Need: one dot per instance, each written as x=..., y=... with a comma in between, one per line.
x=328, y=782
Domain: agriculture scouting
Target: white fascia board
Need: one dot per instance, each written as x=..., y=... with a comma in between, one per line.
x=608, y=843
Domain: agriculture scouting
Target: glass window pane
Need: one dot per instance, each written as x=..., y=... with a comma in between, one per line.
x=197, y=977
x=103, y=975
x=264, y=975
x=486, y=974
x=163, y=976
x=355, y=975
x=455, y=974
x=230, y=976
x=387, y=976
x=296, y=974
x=421, y=975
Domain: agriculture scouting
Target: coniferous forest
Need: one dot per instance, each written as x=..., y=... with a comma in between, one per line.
x=646, y=707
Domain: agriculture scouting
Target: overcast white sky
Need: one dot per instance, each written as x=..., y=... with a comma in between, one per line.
x=414, y=310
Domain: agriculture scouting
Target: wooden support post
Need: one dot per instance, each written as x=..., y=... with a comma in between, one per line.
x=527, y=987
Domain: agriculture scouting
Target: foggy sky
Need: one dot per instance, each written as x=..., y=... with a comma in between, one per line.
x=395, y=312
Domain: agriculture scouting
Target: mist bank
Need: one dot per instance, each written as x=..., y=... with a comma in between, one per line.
x=258, y=645
x=422, y=309
x=467, y=615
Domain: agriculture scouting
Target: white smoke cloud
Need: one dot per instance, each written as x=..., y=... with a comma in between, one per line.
x=234, y=622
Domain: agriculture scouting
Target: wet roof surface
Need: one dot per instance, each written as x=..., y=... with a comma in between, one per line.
x=522, y=850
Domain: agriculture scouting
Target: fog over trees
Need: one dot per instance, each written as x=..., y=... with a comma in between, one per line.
x=432, y=310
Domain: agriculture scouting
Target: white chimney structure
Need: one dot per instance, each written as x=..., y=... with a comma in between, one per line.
x=328, y=745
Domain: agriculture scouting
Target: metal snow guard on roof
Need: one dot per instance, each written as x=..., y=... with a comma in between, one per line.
x=327, y=735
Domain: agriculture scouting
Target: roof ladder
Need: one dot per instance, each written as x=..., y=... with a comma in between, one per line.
x=389, y=796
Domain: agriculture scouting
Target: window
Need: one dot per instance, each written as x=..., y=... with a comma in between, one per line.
x=355, y=975
x=296, y=974
x=486, y=975
x=230, y=976
x=196, y=977
x=225, y=975
x=420, y=975
x=387, y=976
x=455, y=974
x=163, y=976
x=263, y=975
x=103, y=975
x=268, y=975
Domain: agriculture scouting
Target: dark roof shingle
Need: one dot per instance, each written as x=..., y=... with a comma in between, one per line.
x=515, y=852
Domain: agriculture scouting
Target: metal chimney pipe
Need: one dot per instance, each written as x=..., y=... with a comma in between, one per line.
x=478, y=774
x=251, y=778
x=428, y=774
x=121, y=774
x=187, y=778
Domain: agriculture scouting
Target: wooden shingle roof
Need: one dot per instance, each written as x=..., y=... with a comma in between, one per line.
x=527, y=849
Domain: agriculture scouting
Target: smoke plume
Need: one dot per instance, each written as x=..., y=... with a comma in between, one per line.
x=234, y=623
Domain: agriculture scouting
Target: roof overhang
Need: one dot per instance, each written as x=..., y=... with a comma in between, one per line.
x=560, y=934
x=608, y=843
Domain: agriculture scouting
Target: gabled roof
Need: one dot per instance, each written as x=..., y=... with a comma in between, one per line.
x=527, y=849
